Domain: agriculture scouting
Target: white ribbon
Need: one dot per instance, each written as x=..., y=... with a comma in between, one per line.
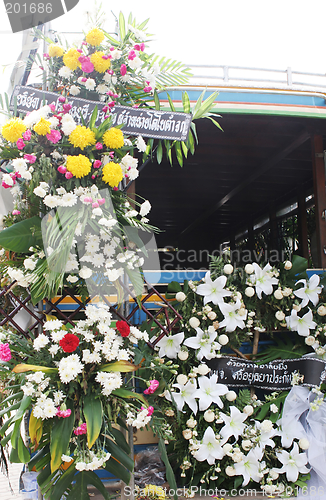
x=310, y=424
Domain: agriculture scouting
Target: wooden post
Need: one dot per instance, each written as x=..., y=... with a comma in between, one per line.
x=318, y=170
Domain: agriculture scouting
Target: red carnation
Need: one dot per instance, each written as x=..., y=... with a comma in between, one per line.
x=69, y=342
x=123, y=328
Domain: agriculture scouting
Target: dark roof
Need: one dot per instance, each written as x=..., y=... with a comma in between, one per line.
x=236, y=177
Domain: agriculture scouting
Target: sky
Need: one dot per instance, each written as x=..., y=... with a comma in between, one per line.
x=273, y=34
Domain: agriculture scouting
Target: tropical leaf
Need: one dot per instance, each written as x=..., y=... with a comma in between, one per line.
x=122, y=26
x=178, y=152
x=185, y=102
x=117, y=470
x=168, y=469
x=119, y=366
x=93, y=413
x=83, y=479
x=119, y=454
x=159, y=152
x=35, y=430
x=63, y=483
x=201, y=108
x=21, y=236
x=120, y=440
x=125, y=394
x=22, y=368
x=60, y=437
x=284, y=349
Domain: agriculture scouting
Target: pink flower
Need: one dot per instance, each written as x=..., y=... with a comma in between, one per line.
x=63, y=413
x=62, y=169
x=54, y=136
x=27, y=135
x=97, y=164
x=69, y=175
x=30, y=158
x=82, y=429
x=111, y=104
x=93, y=176
x=15, y=212
x=106, y=57
x=110, y=71
x=131, y=55
x=150, y=410
x=99, y=145
x=95, y=204
x=88, y=199
x=147, y=89
x=86, y=64
x=5, y=352
x=66, y=108
x=84, y=79
x=153, y=385
x=101, y=201
x=123, y=69
x=139, y=47
x=62, y=99
x=115, y=188
x=20, y=144
x=52, y=106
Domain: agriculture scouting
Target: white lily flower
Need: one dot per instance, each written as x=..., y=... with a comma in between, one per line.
x=210, y=449
x=309, y=291
x=232, y=319
x=234, y=425
x=213, y=291
x=170, y=345
x=264, y=437
x=186, y=395
x=248, y=467
x=209, y=392
x=294, y=429
x=203, y=341
x=293, y=462
x=301, y=325
x=262, y=279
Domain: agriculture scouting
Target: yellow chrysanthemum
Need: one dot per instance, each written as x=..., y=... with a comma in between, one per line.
x=79, y=165
x=112, y=174
x=113, y=138
x=101, y=65
x=42, y=127
x=95, y=37
x=13, y=129
x=70, y=59
x=55, y=50
x=82, y=137
x=155, y=492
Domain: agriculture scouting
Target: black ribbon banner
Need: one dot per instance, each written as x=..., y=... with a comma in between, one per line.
x=136, y=121
x=276, y=375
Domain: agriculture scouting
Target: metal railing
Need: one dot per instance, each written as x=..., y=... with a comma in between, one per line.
x=237, y=76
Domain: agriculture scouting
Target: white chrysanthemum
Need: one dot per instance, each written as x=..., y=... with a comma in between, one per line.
x=28, y=389
x=49, y=409
x=39, y=192
x=53, y=324
x=30, y=264
x=65, y=72
x=68, y=124
x=85, y=272
x=69, y=200
x=74, y=90
x=40, y=342
x=102, y=88
x=69, y=368
x=51, y=201
x=90, y=84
